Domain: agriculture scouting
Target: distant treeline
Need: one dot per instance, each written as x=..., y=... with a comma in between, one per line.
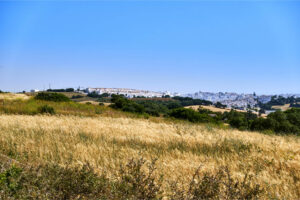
x=95, y=95
x=154, y=107
x=3, y=91
x=51, y=97
x=277, y=101
x=287, y=122
x=295, y=105
x=61, y=90
x=279, y=122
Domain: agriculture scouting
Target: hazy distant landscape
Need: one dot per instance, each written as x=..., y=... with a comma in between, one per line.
x=144, y=148
x=150, y=100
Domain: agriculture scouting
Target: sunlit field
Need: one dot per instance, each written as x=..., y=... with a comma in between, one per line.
x=180, y=147
x=12, y=96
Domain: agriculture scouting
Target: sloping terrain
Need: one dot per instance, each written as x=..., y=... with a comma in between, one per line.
x=105, y=143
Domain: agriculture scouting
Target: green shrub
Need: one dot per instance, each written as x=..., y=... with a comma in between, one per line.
x=46, y=110
x=52, y=181
x=190, y=115
x=46, y=96
x=135, y=180
x=239, y=120
x=126, y=105
x=76, y=96
x=137, y=183
x=287, y=122
x=9, y=180
x=220, y=185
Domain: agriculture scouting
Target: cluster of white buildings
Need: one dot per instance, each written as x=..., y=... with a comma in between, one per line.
x=130, y=93
x=230, y=99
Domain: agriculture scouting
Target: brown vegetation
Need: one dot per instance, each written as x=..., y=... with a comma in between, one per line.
x=180, y=148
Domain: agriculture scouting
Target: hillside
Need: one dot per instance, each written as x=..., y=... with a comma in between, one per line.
x=213, y=108
x=105, y=143
x=102, y=146
x=281, y=107
x=221, y=110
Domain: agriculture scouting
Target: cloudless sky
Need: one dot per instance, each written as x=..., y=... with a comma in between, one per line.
x=184, y=46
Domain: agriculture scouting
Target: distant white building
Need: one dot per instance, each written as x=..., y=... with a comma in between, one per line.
x=34, y=90
x=130, y=93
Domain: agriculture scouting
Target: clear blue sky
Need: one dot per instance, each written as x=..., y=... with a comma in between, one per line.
x=184, y=46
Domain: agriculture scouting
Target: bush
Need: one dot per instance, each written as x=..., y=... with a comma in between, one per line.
x=76, y=96
x=52, y=181
x=239, y=120
x=126, y=105
x=190, y=115
x=220, y=105
x=138, y=183
x=135, y=180
x=46, y=96
x=220, y=185
x=95, y=95
x=287, y=122
x=295, y=105
x=46, y=110
x=69, y=89
x=187, y=101
x=61, y=90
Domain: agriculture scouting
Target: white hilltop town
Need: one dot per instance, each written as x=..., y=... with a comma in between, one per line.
x=235, y=100
x=131, y=93
x=230, y=99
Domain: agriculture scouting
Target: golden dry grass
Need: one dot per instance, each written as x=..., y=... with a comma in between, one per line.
x=213, y=109
x=12, y=96
x=180, y=148
x=94, y=103
x=221, y=110
x=283, y=107
x=91, y=102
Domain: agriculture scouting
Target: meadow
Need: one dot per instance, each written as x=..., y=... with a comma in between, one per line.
x=78, y=134
x=106, y=142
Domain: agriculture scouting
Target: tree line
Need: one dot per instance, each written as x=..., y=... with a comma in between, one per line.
x=279, y=101
x=287, y=122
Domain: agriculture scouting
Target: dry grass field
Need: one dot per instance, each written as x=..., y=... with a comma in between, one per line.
x=13, y=96
x=221, y=110
x=105, y=142
x=283, y=108
x=213, y=109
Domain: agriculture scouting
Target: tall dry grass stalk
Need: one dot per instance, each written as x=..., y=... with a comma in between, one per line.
x=107, y=142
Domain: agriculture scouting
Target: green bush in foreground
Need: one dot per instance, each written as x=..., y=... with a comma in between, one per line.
x=46, y=110
x=46, y=96
x=136, y=180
